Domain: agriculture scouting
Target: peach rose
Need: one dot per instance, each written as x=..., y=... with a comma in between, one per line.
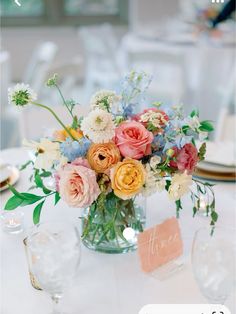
x=102, y=157
x=133, y=139
x=127, y=178
x=77, y=185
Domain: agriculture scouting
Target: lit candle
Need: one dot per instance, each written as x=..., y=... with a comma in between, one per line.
x=202, y=204
x=12, y=222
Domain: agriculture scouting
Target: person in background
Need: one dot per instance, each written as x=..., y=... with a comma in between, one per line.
x=224, y=14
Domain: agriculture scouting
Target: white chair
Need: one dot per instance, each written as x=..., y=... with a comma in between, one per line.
x=168, y=70
x=39, y=65
x=226, y=124
x=9, y=119
x=5, y=79
x=102, y=67
x=70, y=78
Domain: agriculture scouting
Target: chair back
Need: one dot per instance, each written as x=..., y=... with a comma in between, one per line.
x=5, y=79
x=39, y=65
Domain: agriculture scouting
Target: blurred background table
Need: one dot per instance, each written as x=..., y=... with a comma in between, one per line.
x=107, y=283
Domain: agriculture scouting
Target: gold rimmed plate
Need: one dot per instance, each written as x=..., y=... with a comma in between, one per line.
x=215, y=176
x=8, y=175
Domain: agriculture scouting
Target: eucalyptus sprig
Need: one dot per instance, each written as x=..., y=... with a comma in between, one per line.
x=204, y=189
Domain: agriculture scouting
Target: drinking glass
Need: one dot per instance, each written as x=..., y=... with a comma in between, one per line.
x=53, y=251
x=214, y=263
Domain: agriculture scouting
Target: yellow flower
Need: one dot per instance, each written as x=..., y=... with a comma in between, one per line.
x=61, y=135
x=102, y=157
x=127, y=178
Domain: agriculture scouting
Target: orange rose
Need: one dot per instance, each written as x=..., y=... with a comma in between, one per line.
x=102, y=157
x=61, y=135
x=127, y=178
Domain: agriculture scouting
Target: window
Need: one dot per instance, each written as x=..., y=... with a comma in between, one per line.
x=63, y=12
x=28, y=8
x=91, y=7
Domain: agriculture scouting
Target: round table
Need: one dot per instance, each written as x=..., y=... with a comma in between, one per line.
x=107, y=283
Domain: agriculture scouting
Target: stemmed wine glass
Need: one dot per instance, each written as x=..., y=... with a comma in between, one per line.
x=53, y=251
x=214, y=262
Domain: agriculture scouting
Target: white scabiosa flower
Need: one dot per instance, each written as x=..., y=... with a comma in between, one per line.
x=180, y=185
x=47, y=153
x=104, y=99
x=98, y=126
x=21, y=95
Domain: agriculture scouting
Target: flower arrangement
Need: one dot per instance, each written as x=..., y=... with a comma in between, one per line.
x=104, y=160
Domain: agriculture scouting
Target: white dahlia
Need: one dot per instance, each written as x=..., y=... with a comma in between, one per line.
x=98, y=126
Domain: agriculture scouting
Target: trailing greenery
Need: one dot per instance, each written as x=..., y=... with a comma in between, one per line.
x=24, y=199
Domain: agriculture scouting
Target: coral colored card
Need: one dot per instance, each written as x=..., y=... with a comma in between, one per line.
x=160, y=244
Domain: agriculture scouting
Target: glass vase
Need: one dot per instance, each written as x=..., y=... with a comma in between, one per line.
x=111, y=225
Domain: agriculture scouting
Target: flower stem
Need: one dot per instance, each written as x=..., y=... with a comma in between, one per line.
x=56, y=117
x=63, y=99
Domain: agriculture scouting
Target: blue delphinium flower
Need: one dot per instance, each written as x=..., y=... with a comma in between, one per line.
x=133, y=89
x=128, y=110
x=74, y=149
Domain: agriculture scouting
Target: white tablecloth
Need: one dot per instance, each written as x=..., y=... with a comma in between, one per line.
x=108, y=284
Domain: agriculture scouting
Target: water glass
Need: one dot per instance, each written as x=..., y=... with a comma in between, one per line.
x=214, y=262
x=53, y=252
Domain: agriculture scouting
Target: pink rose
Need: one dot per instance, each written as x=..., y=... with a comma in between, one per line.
x=77, y=185
x=186, y=158
x=133, y=139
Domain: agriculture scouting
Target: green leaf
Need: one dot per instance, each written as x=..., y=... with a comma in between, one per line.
x=168, y=183
x=45, y=174
x=194, y=211
x=57, y=198
x=185, y=129
x=202, y=152
x=37, y=212
x=39, y=182
x=200, y=190
x=194, y=113
x=178, y=207
x=214, y=216
x=13, y=203
x=30, y=199
x=16, y=193
x=206, y=126
x=22, y=167
x=193, y=141
x=75, y=123
x=208, y=184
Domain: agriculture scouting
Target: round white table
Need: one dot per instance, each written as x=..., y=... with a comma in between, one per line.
x=107, y=283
